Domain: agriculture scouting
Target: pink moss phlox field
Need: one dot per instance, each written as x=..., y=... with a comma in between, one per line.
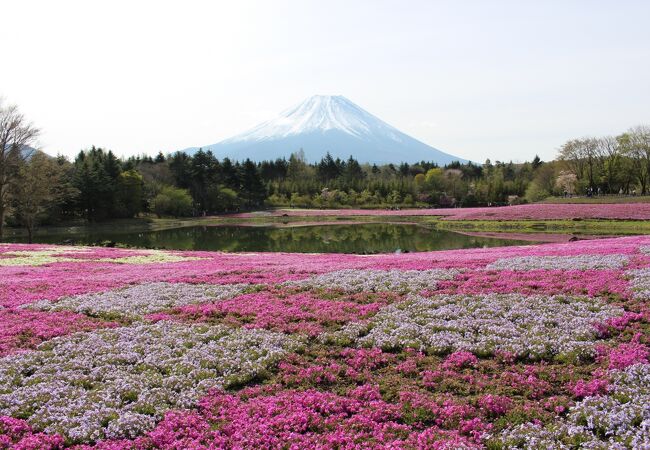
x=18, y=435
x=496, y=405
x=511, y=347
x=626, y=354
x=548, y=282
x=353, y=364
x=596, y=386
x=629, y=320
x=22, y=329
x=637, y=211
x=458, y=360
x=24, y=284
x=297, y=313
x=308, y=419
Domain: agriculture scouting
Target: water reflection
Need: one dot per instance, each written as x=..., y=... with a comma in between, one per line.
x=355, y=238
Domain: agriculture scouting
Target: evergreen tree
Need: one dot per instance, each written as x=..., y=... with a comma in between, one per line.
x=230, y=174
x=252, y=189
x=179, y=165
x=354, y=174
x=95, y=200
x=204, y=170
x=328, y=169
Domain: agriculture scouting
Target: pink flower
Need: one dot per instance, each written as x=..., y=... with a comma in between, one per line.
x=496, y=405
x=596, y=386
x=296, y=313
x=22, y=329
x=639, y=211
x=458, y=360
x=628, y=354
x=17, y=434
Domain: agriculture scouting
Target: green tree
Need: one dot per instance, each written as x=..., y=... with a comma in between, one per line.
x=354, y=174
x=96, y=189
x=298, y=168
x=179, y=164
x=204, y=170
x=172, y=201
x=129, y=196
x=252, y=190
x=36, y=189
x=636, y=145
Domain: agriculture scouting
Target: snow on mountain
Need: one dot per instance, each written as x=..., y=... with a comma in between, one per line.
x=325, y=123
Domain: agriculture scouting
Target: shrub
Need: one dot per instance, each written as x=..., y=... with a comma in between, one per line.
x=172, y=201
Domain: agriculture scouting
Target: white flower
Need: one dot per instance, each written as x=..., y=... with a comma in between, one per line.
x=618, y=420
x=640, y=282
x=578, y=262
x=353, y=280
x=135, y=301
x=534, y=327
x=118, y=382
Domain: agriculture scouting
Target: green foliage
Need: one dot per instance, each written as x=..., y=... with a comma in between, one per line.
x=223, y=198
x=535, y=193
x=252, y=189
x=172, y=201
x=129, y=200
x=98, y=185
x=37, y=190
x=610, y=165
x=103, y=186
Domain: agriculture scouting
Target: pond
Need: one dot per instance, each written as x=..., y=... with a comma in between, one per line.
x=365, y=238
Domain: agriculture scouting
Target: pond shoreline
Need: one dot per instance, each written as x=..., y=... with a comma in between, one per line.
x=357, y=237
x=609, y=227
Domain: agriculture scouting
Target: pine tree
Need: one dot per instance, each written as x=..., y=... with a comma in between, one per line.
x=230, y=175
x=252, y=189
x=179, y=165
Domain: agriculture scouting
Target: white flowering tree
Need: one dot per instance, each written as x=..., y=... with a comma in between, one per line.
x=566, y=181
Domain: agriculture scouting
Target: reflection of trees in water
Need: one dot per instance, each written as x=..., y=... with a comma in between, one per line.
x=359, y=238
x=348, y=238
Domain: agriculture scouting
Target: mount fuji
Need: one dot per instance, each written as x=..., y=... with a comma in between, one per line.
x=333, y=124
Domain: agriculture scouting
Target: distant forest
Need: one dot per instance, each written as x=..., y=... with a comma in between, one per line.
x=96, y=186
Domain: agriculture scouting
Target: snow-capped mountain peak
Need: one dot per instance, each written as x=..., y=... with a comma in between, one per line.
x=318, y=113
x=327, y=123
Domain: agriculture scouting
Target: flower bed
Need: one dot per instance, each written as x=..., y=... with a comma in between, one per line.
x=296, y=313
x=526, y=327
x=351, y=280
x=537, y=211
x=621, y=416
x=520, y=347
x=136, y=301
x=118, y=383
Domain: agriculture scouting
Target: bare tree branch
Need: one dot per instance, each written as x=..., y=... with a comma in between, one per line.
x=16, y=135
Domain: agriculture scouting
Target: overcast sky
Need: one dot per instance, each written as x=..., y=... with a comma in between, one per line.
x=499, y=80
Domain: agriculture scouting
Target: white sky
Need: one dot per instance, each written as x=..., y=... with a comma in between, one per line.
x=499, y=80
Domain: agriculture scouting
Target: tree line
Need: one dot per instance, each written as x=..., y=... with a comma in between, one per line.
x=97, y=185
x=610, y=164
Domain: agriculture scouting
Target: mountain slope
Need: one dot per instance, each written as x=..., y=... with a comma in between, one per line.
x=328, y=124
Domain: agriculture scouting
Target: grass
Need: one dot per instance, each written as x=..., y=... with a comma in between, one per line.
x=583, y=226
